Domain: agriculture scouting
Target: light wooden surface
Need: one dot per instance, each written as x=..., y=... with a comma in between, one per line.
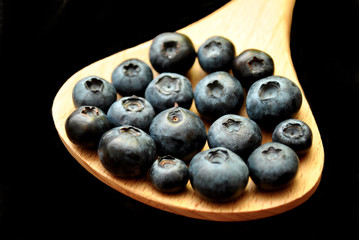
x=261, y=24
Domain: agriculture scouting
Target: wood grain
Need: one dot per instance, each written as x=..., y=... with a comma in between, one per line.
x=261, y=24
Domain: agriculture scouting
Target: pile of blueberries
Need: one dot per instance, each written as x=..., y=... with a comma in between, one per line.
x=150, y=130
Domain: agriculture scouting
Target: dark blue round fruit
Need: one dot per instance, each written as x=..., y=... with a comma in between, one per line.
x=86, y=125
x=167, y=89
x=218, y=94
x=252, y=65
x=273, y=166
x=239, y=134
x=218, y=174
x=134, y=111
x=216, y=54
x=127, y=151
x=272, y=100
x=178, y=132
x=172, y=52
x=131, y=77
x=94, y=91
x=169, y=174
x=294, y=133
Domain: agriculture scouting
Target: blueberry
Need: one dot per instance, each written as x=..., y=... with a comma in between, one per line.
x=131, y=77
x=127, y=151
x=239, y=134
x=169, y=174
x=272, y=99
x=252, y=65
x=216, y=54
x=218, y=94
x=134, y=111
x=273, y=166
x=218, y=174
x=167, y=89
x=178, y=132
x=294, y=133
x=172, y=52
x=86, y=125
x=94, y=91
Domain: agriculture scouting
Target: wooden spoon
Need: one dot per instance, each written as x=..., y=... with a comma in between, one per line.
x=259, y=24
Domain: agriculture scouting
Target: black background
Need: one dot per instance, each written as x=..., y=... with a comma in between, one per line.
x=45, y=193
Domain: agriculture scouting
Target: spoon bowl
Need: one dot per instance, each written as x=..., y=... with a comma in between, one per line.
x=259, y=24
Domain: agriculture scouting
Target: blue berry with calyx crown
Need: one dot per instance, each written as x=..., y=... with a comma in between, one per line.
x=217, y=94
x=131, y=77
x=216, y=54
x=172, y=52
x=239, y=134
x=218, y=174
x=94, y=91
x=127, y=151
x=273, y=99
x=178, y=132
x=86, y=125
x=273, y=166
x=294, y=133
x=252, y=65
x=167, y=89
x=169, y=174
x=134, y=111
